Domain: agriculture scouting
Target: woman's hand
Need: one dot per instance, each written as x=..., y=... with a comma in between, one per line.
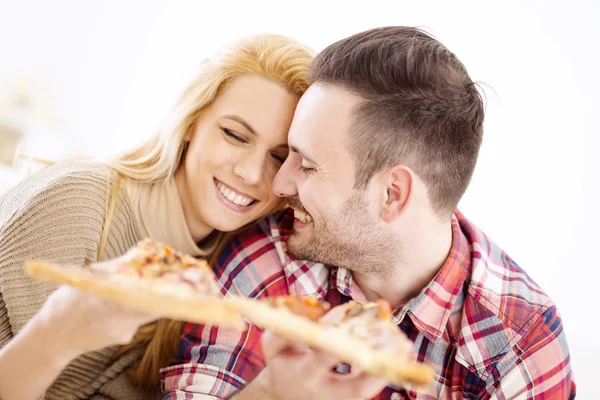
x=78, y=322
x=68, y=324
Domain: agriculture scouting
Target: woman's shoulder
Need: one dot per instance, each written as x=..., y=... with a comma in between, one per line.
x=80, y=173
x=57, y=214
x=62, y=186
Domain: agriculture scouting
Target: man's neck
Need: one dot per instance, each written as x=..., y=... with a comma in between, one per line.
x=423, y=255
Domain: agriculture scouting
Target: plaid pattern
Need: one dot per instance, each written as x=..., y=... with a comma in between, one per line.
x=489, y=331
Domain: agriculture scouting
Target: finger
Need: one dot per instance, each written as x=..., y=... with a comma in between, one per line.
x=336, y=314
x=362, y=386
x=321, y=360
x=368, y=385
x=274, y=345
x=141, y=318
x=133, y=315
x=345, y=371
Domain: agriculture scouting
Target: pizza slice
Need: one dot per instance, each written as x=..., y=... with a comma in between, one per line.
x=150, y=277
x=361, y=335
x=307, y=306
x=371, y=323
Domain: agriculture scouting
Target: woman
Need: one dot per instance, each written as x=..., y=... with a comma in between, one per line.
x=208, y=171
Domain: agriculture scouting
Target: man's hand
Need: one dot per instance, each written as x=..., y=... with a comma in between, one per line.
x=296, y=372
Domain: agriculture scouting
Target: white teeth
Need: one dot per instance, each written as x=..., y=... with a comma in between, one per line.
x=234, y=197
x=302, y=216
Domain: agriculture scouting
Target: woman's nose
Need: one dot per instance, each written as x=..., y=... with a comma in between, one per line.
x=250, y=169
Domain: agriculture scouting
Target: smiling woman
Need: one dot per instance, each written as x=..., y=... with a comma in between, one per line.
x=209, y=170
x=234, y=151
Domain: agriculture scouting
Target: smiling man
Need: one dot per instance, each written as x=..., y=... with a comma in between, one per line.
x=383, y=146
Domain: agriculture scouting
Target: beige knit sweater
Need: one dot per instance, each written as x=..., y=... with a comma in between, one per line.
x=57, y=215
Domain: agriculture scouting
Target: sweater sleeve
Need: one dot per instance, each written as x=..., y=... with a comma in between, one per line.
x=55, y=215
x=5, y=331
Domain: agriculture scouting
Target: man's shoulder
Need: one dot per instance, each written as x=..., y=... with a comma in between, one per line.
x=499, y=283
x=502, y=304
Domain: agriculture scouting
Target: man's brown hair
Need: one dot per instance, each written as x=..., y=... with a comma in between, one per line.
x=420, y=108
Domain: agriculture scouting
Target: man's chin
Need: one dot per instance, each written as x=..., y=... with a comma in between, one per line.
x=299, y=247
x=295, y=241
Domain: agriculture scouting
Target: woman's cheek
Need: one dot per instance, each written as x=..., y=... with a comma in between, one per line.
x=223, y=154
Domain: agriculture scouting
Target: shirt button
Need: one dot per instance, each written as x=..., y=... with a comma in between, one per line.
x=395, y=396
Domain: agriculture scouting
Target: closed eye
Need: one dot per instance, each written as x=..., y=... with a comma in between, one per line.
x=307, y=170
x=232, y=135
x=279, y=159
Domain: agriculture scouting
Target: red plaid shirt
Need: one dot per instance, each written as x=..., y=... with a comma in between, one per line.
x=488, y=330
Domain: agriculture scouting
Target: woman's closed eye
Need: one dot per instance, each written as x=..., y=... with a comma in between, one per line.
x=233, y=136
x=279, y=159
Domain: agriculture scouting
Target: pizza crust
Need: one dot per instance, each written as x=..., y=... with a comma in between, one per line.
x=167, y=300
x=333, y=340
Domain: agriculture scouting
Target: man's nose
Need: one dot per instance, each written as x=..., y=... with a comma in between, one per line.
x=284, y=183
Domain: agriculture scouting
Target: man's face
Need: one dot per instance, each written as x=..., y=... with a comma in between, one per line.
x=335, y=224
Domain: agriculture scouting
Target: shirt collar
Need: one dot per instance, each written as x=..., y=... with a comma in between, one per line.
x=304, y=278
x=432, y=307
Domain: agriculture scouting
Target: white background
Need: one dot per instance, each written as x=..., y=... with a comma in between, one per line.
x=102, y=74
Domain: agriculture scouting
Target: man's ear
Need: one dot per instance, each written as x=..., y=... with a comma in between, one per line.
x=397, y=185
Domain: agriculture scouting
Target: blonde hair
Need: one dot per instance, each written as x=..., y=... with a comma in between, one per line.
x=273, y=57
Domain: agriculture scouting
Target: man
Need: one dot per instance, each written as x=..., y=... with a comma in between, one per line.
x=383, y=146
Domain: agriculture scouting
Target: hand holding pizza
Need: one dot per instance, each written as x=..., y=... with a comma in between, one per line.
x=320, y=370
x=324, y=374
x=360, y=335
x=310, y=372
x=155, y=279
x=76, y=322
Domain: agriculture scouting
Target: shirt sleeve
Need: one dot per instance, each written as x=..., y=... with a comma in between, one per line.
x=542, y=369
x=215, y=363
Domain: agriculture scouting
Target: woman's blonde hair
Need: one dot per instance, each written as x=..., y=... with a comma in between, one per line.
x=273, y=57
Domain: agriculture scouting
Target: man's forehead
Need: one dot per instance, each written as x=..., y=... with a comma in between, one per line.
x=323, y=117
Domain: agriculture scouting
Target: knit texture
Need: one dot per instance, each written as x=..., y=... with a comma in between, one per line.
x=57, y=215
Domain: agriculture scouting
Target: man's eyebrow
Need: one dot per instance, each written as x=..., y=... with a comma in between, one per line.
x=303, y=155
x=241, y=121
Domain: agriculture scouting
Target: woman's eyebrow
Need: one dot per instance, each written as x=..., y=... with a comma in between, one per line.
x=241, y=121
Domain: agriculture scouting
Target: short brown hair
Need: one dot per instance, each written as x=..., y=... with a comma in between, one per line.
x=420, y=108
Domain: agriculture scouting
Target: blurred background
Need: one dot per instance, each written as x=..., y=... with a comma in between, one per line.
x=93, y=77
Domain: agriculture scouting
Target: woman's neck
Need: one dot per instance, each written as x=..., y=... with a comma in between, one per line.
x=198, y=229
x=163, y=218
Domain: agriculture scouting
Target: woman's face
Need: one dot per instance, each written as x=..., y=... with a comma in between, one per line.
x=235, y=149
